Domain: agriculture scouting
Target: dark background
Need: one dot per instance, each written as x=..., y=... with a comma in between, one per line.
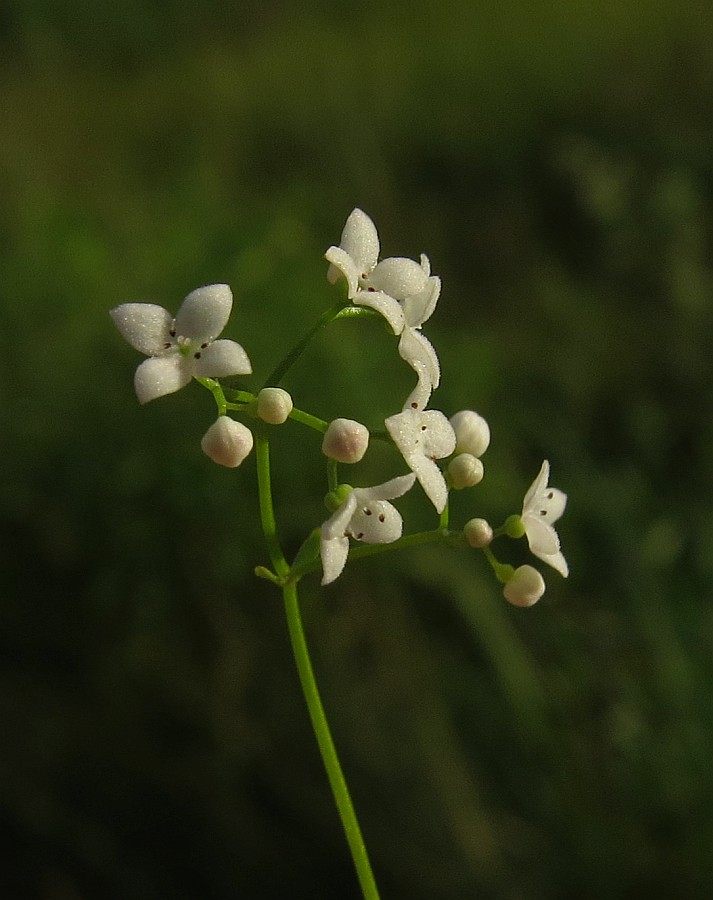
x=556, y=163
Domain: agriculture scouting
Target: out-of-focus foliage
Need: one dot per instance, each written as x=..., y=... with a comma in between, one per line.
x=555, y=164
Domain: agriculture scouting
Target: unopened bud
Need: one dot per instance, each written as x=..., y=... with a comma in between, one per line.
x=227, y=442
x=274, y=405
x=525, y=587
x=345, y=440
x=465, y=471
x=478, y=533
x=472, y=432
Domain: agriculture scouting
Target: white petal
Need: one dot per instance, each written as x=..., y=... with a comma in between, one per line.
x=418, y=351
x=418, y=308
x=161, y=375
x=360, y=240
x=389, y=490
x=431, y=480
x=342, y=263
x=425, y=264
x=537, y=486
x=397, y=277
x=376, y=522
x=145, y=326
x=421, y=394
x=541, y=537
x=389, y=308
x=204, y=313
x=422, y=432
x=334, y=552
x=337, y=524
x=222, y=358
x=558, y=562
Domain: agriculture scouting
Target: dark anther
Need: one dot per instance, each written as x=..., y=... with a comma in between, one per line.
x=367, y=512
x=382, y=518
x=203, y=346
x=414, y=405
x=196, y=356
x=360, y=535
x=167, y=345
x=172, y=333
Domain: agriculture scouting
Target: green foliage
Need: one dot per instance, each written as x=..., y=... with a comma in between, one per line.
x=555, y=165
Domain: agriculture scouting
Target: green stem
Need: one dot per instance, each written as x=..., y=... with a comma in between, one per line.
x=282, y=367
x=340, y=791
x=338, y=311
x=267, y=510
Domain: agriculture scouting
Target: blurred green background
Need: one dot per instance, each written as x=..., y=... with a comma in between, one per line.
x=556, y=164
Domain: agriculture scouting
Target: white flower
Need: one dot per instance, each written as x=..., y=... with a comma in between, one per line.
x=182, y=347
x=227, y=442
x=542, y=507
x=423, y=436
x=345, y=440
x=414, y=347
x=378, y=285
x=366, y=515
x=525, y=587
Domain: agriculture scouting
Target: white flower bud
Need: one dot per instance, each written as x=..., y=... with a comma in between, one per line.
x=345, y=440
x=472, y=432
x=478, y=533
x=274, y=405
x=227, y=442
x=465, y=471
x=525, y=587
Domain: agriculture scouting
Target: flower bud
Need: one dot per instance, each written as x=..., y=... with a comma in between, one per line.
x=227, y=442
x=472, y=432
x=525, y=587
x=345, y=440
x=274, y=405
x=465, y=470
x=478, y=533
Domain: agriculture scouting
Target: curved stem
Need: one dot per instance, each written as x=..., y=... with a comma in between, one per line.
x=340, y=791
x=338, y=311
x=279, y=372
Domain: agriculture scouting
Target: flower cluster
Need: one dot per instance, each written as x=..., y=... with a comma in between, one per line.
x=441, y=454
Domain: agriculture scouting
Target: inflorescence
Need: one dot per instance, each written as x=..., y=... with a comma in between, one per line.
x=442, y=454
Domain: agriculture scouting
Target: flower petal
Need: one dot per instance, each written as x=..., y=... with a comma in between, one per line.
x=383, y=303
x=338, y=522
x=418, y=352
x=341, y=263
x=418, y=308
x=334, y=552
x=398, y=277
x=376, y=522
x=541, y=537
x=360, y=240
x=431, y=480
x=537, y=486
x=204, y=313
x=389, y=490
x=222, y=358
x=161, y=375
x=145, y=326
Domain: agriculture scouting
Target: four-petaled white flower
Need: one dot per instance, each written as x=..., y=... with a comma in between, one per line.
x=365, y=515
x=378, y=285
x=542, y=507
x=182, y=347
x=423, y=436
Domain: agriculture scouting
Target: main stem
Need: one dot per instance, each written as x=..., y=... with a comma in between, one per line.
x=330, y=759
x=340, y=791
